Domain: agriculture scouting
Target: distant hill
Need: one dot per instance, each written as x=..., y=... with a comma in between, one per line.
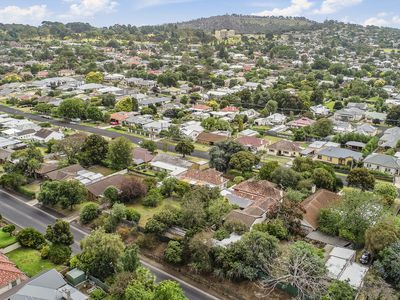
x=249, y=24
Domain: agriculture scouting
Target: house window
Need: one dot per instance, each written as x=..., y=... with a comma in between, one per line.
x=14, y=283
x=319, y=156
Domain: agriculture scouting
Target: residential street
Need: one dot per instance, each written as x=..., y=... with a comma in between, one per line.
x=99, y=131
x=18, y=211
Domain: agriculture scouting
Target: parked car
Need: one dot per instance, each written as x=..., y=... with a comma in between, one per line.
x=365, y=258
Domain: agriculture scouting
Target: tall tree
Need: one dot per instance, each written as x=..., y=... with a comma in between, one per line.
x=361, y=178
x=184, y=147
x=94, y=150
x=60, y=233
x=120, y=153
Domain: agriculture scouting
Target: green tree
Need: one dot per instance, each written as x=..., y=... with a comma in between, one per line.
x=322, y=127
x=388, y=264
x=111, y=194
x=184, y=147
x=153, y=198
x=248, y=258
x=94, y=77
x=173, y=252
x=132, y=189
x=221, y=154
x=71, y=192
x=89, y=212
x=130, y=258
x=243, y=161
x=72, y=108
x=59, y=253
x=169, y=290
x=285, y=177
x=100, y=254
x=94, y=150
x=324, y=179
x=126, y=104
x=60, y=233
x=339, y=290
x=387, y=191
x=108, y=100
x=267, y=169
x=149, y=145
x=361, y=178
x=382, y=234
x=120, y=153
x=30, y=238
x=94, y=113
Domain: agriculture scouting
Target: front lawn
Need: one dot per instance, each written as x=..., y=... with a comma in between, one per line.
x=29, y=261
x=147, y=212
x=282, y=160
x=33, y=187
x=102, y=170
x=6, y=239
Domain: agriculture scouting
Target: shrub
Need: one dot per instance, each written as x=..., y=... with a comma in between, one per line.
x=274, y=227
x=59, y=254
x=89, y=212
x=123, y=231
x=153, y=198
x=44, y=252
x=30, y=238
x=98, y=294
x=173, y=252
x=9, y=229
x=132, y=215
x=234, y=226
x=221, y=234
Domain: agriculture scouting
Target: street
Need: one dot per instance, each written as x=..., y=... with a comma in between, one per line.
x=18, y=211
x=94, y=130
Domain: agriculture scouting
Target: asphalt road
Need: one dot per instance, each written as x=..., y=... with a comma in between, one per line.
x=19, y=212
x=95, y=130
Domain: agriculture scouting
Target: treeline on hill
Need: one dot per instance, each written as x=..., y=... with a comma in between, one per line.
x=79, y=30
x=250, y=24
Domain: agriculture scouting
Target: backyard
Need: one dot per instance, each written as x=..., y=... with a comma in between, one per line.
x=29, y=261
x=147, y=212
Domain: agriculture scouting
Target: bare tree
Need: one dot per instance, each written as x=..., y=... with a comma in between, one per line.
x=303, y=268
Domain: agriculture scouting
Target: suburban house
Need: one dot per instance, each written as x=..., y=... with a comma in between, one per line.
x=312, y=206
x=302, y=122
x=209, y=177
x=320, y=110
x=356, y=146
x=338, y=156
x=173, y=165
x=156, y=127
x=47, y=167
x=10, y=275
x=49, y=285
x=200, y=108
x=257, y=197
x=284, y=148
x=274, y=119
x=374, y=117
x=119, y=117
x=66, y=173
x=342, y=127
x=140, y=156
x=349, y=114
x=138, y=120
x=45, y=135
x=5, y=155
x=208, y=138
x=252, y=143
x=382, y=163
x=366, y=129
x=96, y=189
x=248, y=132
x=390, y=138
x=192, y=129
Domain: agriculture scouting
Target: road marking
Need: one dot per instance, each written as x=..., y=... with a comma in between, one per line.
x=33, y=202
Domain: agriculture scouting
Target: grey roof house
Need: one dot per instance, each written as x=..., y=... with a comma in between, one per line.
x=47, y=286
x=383, y=163
x=390, y=138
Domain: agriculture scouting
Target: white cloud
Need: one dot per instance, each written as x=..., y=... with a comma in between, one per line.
x=27, y=15
x=332, y=6
x=379, y=20
x=89, y=8
x=296, y=8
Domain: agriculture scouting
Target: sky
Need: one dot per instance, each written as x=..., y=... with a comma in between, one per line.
x=149, y=12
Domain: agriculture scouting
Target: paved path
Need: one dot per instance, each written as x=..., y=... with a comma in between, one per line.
x=95, y=130
x=17, y=210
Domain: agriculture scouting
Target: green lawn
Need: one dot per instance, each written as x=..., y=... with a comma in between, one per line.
x=33, y=187
x=282, y=160
x=102, y=170
x=272, y=139
x=329, y=105
x=6, y=239
x=147, y=212
x=29, y=261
